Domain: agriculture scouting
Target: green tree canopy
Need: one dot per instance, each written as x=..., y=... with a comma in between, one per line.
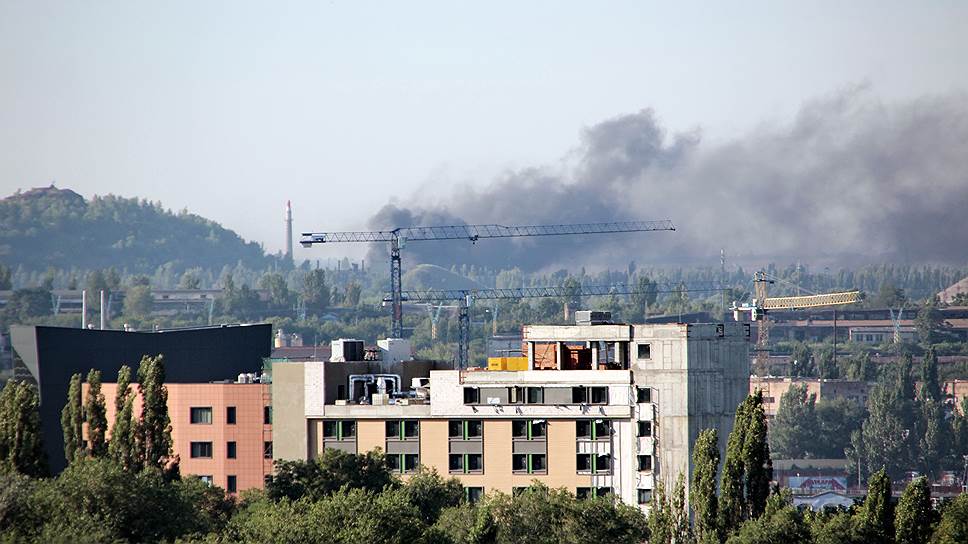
x=327, y=473
x=913, y=518
x=794, y=431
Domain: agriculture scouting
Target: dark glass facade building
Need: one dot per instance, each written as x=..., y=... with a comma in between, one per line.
x=48, y=356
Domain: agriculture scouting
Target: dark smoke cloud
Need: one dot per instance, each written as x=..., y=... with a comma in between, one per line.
x=849, y=180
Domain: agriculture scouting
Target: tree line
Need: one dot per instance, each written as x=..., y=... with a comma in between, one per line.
x=128, y=491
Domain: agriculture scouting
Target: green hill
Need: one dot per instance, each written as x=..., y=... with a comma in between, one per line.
x=48, y=226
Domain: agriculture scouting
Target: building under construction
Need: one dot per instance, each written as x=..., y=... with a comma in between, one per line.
x=596, y=407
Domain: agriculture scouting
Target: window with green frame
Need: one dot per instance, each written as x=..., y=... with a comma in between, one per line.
x=530, y=429
x=466, y=463
x=405, y=429
x=593, y=429
x=593, y=463
x=339, y=429
x=465, y=429
x=529, y=463
x=403, y=462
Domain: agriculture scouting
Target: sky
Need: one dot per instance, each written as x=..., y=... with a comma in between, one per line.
x=229, y=109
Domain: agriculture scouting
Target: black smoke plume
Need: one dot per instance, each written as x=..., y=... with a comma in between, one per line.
x=850, y=180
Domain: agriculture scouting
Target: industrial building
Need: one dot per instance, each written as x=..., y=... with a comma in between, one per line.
x=49, y=356
x=595, y=407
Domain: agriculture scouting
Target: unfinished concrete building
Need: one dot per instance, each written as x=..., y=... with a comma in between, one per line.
x=601, y=408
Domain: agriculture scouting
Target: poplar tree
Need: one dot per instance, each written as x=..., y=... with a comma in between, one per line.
x=21, y=448
x=930, y=383
x=876, y=515
x=153, y=432
x=913, y=517
x=732, y=498
x=96, y=416
x=679, y=512
x=702, y=492
x=756, y=458
x=72, y=420
x=668, y=516
x=121, y=448
x=660, y=517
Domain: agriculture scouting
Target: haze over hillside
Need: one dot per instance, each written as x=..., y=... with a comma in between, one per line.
x=48, y=226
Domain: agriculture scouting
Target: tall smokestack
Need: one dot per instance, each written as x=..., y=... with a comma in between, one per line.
x=289, y=230
x=104, y=311
x=84, y=309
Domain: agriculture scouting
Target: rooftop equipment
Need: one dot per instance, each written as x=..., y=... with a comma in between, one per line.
x=589, y=317
x=346, y=349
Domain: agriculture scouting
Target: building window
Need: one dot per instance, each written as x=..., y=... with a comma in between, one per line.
x=645, y=462
x=645, y=351
x=598, y=429
x=207, y=479
x=267, y=415
x=230, y=450
x=643, y=394
x=472, y=395
x=529, y=463
x=589, y=492
x=201, y=450
x=339, y=429
x=267, y=449
x=599, y=395
x=527, y=395
x=201, y=415
x=403, y=462
x=593, y=464
x=645, y=428
x=529, y=429
x=232, y=484
x=645, y=496
x=466, y=463
x=230, y=415
x=473, y=494
x=589, y=395
x=465, y=429
x=403, y=430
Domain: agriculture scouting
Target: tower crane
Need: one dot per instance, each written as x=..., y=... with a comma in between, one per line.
x=398, y=238
x=761, y=305
x=465, y=297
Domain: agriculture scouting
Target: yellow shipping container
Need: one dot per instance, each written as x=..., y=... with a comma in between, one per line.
x=516, y=363
x=497, y=363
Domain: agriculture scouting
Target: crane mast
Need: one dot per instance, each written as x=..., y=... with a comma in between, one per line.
x=397, y=238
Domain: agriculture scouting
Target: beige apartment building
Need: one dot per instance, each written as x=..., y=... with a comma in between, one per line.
x=602, y=408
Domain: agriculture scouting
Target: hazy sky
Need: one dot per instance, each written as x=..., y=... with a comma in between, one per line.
x=231, y=108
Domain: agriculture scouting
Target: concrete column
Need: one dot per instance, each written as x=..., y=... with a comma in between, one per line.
x=558, y=349
x=530, y=355
x=594, y=355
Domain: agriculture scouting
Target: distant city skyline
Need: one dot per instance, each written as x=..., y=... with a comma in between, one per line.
x=231, y=109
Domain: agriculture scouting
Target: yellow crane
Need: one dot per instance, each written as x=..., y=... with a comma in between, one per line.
x=761, y=305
